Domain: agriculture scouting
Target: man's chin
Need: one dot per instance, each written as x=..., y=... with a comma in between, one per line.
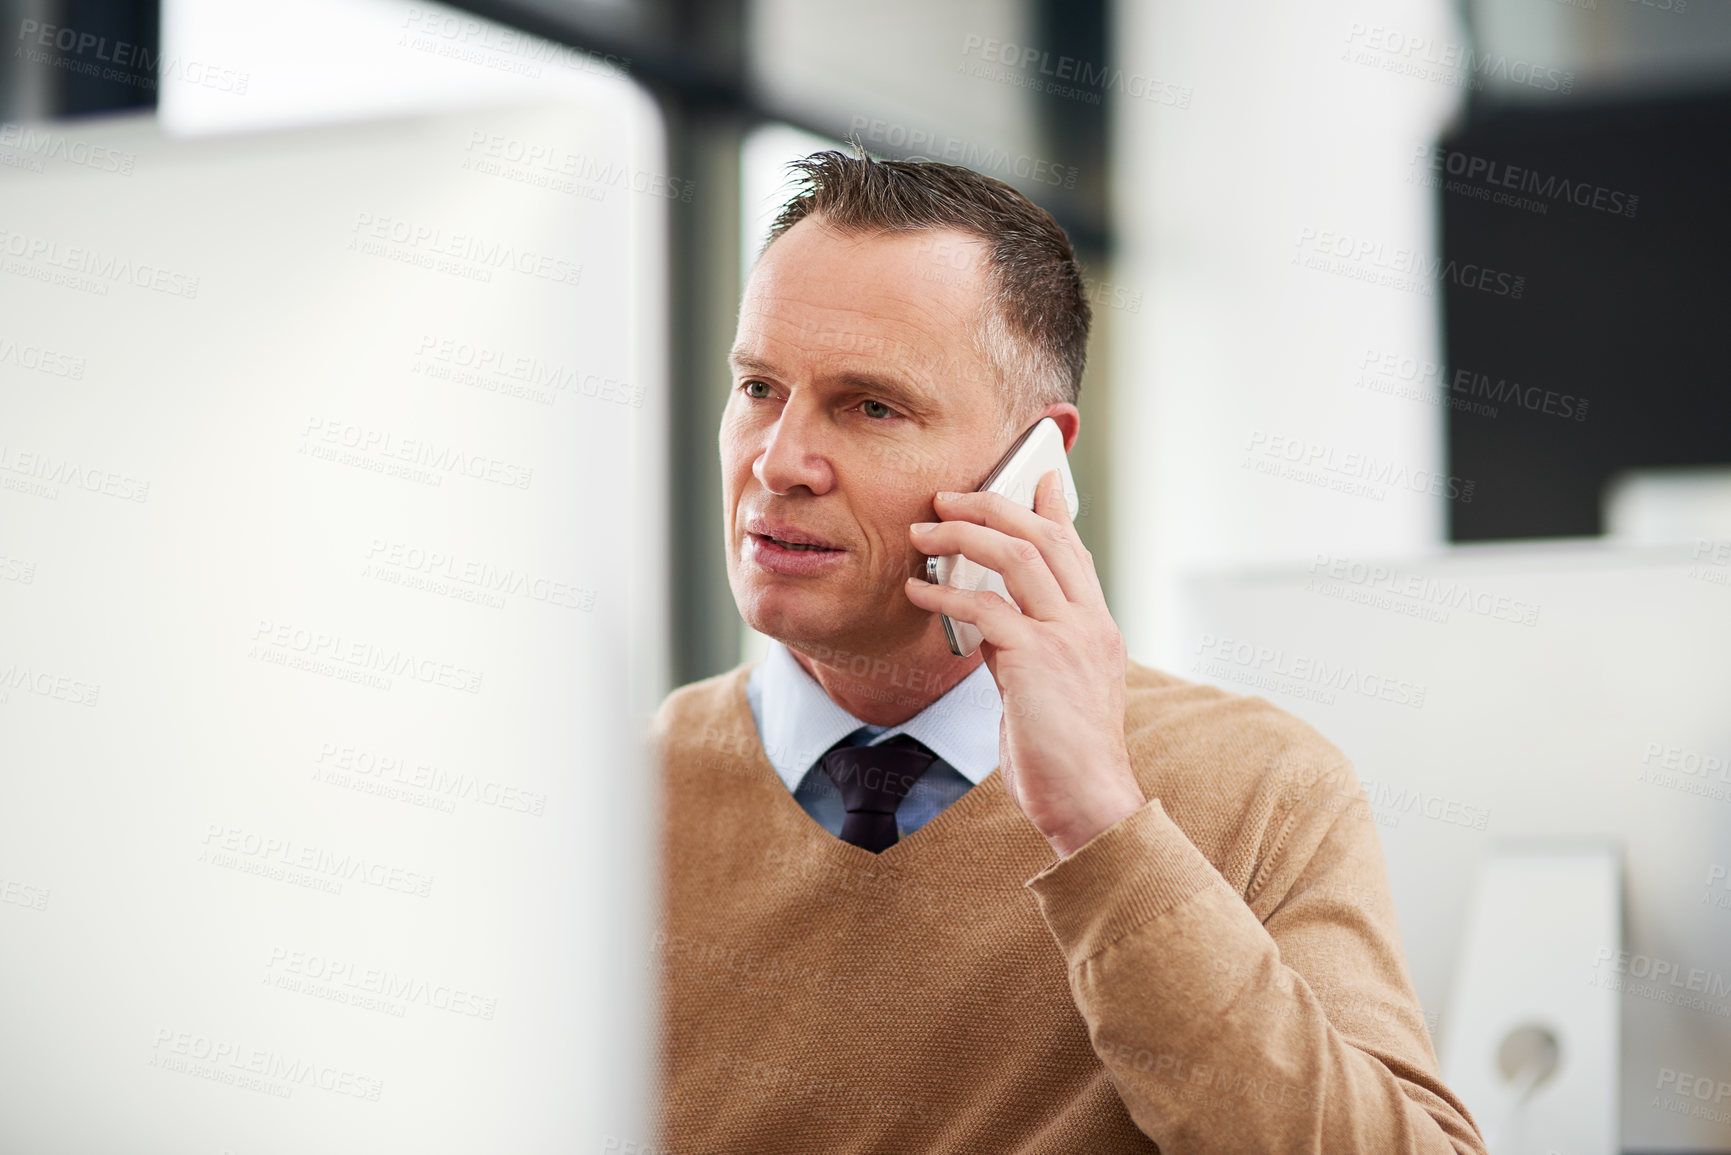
x=823, y=619
x=801, y=624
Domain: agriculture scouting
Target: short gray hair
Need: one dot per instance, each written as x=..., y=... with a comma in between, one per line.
x=1034, y=332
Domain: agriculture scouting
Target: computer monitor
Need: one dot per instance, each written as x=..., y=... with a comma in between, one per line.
x=1571, y=694
x=332, y=591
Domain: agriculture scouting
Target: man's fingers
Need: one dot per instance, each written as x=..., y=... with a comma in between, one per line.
x=1049, y=500
x=997, y=620
x=1056, y=540
x=1022, y=566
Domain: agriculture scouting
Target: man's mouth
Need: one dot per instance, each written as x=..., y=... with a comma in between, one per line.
x=788, y=537
x=799, y=545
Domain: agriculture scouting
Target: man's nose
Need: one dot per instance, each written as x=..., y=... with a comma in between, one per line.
x=796, y=456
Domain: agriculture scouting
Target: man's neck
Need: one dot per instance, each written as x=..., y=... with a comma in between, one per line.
x=895, y=686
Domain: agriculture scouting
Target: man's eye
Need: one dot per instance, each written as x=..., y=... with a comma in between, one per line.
x=751, y=389
x=876, y=409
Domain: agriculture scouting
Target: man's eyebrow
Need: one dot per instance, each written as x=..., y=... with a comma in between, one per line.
x=742, y=360
x=892, y=387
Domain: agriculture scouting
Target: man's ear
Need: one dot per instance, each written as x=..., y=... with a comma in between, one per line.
x=1069, y=420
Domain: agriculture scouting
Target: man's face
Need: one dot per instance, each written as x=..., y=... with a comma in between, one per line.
x=857, y=395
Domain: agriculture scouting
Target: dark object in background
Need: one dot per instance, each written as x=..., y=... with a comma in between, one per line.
x=83, y=57
x=1618, y=219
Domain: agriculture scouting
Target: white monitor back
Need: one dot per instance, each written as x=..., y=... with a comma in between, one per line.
x=1573, y=693
x=331, y=603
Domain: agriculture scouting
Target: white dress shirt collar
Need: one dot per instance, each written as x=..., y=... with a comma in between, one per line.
x=797, y=721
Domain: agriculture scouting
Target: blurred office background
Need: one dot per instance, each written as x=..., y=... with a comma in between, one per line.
x=1406, y=402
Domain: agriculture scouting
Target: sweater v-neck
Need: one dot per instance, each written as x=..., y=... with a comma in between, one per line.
x=938, y=836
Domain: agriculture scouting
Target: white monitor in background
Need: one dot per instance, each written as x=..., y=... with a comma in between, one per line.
x=1571, y=695
x=331, y=603
x=1649, y=506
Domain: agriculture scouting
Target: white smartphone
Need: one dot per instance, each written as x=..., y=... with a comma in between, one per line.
x=1036, y=452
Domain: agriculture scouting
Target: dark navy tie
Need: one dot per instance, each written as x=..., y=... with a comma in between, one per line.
x=873, y=780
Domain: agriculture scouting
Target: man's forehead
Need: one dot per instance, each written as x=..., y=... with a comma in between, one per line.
x=954, y=246
x=765, y=337
x=920, y=276
x=851, y=307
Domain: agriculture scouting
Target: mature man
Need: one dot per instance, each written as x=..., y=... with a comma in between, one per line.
x=1041, y=899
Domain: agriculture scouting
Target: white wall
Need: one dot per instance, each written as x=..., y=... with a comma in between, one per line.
x=908, y=75
x=1288, y=147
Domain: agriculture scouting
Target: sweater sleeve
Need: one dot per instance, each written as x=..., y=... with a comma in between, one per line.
x=1226, y=1032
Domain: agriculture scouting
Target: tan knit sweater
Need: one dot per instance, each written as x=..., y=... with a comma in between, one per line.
x=1219, y=972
